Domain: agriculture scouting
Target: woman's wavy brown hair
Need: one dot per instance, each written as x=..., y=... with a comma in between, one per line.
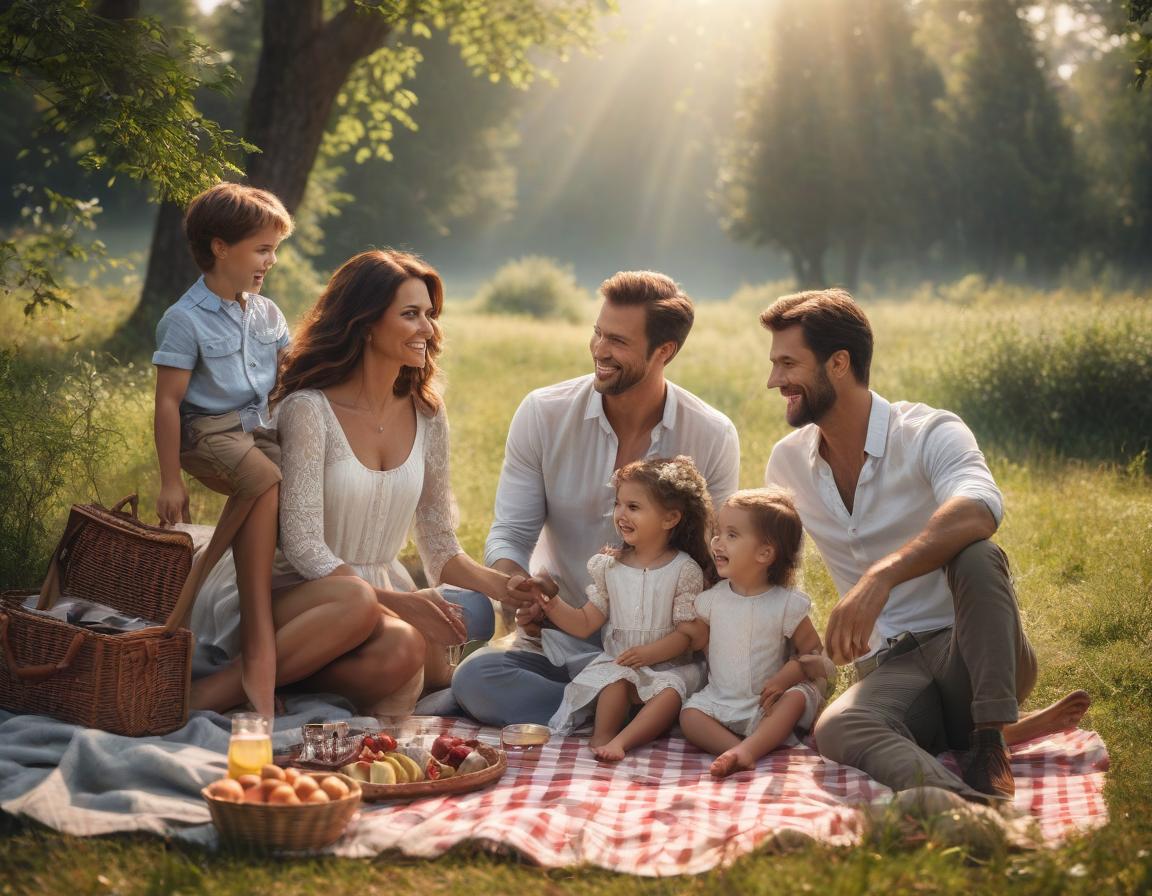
x=332, y=336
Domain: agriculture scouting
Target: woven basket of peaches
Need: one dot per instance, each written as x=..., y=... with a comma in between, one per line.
x=283, y=809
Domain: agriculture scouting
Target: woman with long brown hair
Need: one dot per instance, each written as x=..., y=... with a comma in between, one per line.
x=364, y=443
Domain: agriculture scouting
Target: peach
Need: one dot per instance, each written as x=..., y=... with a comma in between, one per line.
x=273, y=771
x=334, y=787
x=247, y=781
x=306, y=786
x=254, y=794
x=291, y=775
x=283, y=794
x=226, y=789
x=316, y=796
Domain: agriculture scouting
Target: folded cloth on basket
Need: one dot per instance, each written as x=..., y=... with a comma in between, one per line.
x=90, y=615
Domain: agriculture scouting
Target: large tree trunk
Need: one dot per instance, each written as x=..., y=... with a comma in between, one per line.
x=304, y=61
x=808, y=268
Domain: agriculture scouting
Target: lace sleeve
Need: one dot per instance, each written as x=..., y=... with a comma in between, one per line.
x=303, y=436
x=598, y=591
x=689, y=583
x=435, y=525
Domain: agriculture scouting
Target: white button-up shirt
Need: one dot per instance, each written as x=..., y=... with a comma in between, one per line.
x=917, y=458
x=555, y=497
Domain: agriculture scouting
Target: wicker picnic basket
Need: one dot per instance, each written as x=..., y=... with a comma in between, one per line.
x=280, y=827
x=133, y=683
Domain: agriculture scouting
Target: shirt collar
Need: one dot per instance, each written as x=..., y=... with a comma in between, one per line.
x=876, y=440
x=594, y=409
x=203, y=296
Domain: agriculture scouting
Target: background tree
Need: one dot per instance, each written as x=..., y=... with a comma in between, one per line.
x=119, y=93
x=835, y=146
x=1018, y=186
x=342, y=76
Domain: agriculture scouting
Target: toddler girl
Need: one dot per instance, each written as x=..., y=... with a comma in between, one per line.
x=640, y=591
x=756, y=698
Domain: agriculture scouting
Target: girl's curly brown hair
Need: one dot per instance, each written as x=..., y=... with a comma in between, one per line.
x=675, y=484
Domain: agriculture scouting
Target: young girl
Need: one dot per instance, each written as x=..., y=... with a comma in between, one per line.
x=756, y=698
x=640, y=592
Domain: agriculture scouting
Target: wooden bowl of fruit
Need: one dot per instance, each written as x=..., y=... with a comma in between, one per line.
x=387, y=770
x=283, y=809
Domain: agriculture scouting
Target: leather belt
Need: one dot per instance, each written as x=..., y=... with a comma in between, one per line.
x=902, y=643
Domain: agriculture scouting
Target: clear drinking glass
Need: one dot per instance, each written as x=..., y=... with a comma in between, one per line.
x=250, y=748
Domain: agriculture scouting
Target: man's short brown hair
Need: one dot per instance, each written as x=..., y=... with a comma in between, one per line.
x=231, y=212
x=668, y=312
x=831, y=321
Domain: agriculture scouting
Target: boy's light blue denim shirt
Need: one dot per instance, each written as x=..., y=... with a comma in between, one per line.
x=231, y=352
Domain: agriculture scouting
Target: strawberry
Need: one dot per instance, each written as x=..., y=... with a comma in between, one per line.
x=370, y=742
x=387, y=742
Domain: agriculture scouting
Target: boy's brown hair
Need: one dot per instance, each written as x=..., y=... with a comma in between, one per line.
x=231, y=212
x=778, y=523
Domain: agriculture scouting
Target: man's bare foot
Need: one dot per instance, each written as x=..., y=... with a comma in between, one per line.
x=609, y=752
x=1065, y=713
x=729, y=762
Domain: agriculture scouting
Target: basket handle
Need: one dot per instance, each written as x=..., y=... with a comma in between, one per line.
x=133, y=499
x=36, y=674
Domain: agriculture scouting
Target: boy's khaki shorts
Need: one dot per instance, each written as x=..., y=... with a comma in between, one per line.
x=217, y=451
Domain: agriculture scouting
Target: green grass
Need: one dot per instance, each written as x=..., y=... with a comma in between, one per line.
x=1079, y=535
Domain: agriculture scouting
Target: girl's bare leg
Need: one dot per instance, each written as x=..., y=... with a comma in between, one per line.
x=772, y=731
x=653, y=720
x=612, y=706
x=705, y=732
x=252, y=551
x=316, y=623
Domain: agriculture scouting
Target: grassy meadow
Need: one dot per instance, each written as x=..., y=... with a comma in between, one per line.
x=1078, y=531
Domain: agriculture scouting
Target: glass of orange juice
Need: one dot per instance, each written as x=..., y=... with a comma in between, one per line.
x=250, y=748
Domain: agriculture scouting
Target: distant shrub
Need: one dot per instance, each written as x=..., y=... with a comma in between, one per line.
x=758, y=296
x=1082, y=390
x=51, y=437
x=534, y=286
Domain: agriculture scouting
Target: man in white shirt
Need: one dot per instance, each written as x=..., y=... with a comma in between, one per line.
x=555, y=498
x=900, y=502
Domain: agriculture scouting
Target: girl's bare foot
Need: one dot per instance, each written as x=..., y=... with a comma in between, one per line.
x=609, y=752
x=1065, y=713
x=729, y=762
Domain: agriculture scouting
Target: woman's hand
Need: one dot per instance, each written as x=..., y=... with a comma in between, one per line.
x=437, y=620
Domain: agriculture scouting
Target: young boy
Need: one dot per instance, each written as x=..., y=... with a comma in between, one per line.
x=216, y=359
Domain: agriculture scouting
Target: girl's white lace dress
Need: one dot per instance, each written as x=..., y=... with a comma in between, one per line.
x=334, y=510
x=642, y=606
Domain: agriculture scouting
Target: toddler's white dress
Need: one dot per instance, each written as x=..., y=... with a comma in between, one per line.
x=747, y=644
x=642, y=606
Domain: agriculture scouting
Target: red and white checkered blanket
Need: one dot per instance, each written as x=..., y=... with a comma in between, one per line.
x=660, y=813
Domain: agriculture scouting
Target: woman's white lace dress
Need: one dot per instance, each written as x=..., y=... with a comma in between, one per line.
x=642, y=606
x=334, y=510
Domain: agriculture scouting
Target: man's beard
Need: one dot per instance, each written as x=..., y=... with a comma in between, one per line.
x=814, y=402
x=624, y=380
